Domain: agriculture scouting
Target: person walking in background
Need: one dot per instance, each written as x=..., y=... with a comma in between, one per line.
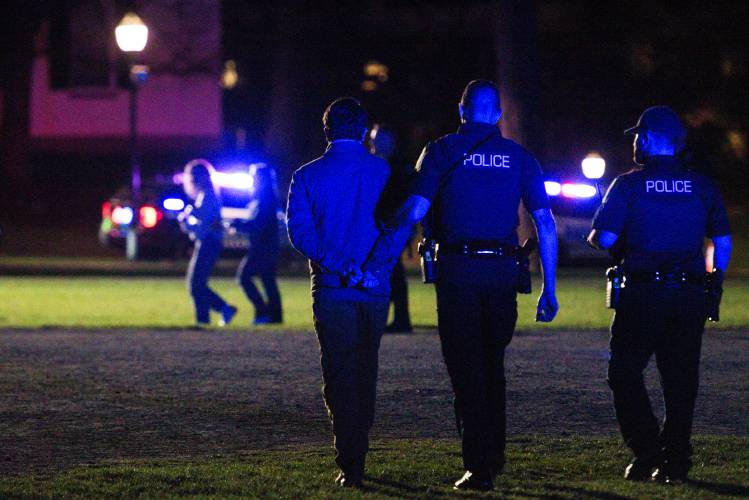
x=202, y=221
x=383, y=143
x=332, y=221
x=262, y=256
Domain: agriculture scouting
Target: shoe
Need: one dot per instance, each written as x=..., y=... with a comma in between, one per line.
x=349, y=480
x=227, y=314
x=672, y=472
x=263, y=319
x=662, y=476
x=639, y=470
x=399, y=328
x=474, y=482
x=276, y=316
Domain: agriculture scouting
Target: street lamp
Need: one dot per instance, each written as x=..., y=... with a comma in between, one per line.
x=594, y=166
x=132, y=35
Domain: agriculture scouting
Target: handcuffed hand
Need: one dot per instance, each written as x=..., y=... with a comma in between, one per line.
x=369, y=281
x=547, y=307
x=353, y=275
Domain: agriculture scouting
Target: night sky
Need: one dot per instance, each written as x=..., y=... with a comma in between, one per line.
x=584, y=69
x=597, y=68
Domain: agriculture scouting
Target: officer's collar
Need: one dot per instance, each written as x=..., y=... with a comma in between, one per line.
x=662, y=162
x=347, y=144
x=478, y=128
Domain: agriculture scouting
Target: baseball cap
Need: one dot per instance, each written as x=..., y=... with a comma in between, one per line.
x=661, y=120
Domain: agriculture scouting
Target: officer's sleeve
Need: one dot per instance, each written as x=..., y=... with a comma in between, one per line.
x=717, y=217
x=533, y=189
x=611, y=214
x=429, y=171
x=301, y=227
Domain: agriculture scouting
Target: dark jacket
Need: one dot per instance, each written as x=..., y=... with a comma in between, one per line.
x=262, y=227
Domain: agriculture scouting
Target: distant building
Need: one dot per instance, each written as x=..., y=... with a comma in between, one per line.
x=79, y=90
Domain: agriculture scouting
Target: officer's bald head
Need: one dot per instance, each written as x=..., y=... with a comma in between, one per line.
x=480, y=102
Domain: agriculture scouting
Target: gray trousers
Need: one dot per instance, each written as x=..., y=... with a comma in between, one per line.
x=349, y=333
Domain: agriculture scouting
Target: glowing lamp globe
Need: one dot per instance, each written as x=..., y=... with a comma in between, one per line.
x=593, y=166
x=131, y=33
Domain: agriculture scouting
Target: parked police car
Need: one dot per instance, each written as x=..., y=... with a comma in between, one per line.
x=162, y=200
x=574, y=200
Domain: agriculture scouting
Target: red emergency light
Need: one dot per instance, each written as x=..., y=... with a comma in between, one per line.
x=149, y=216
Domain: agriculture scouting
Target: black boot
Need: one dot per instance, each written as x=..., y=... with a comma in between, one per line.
x=474, y=481
x=640, y=469
x=672, y=471
x=349, y=480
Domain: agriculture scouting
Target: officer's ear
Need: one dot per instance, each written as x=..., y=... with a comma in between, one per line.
x=645, y=138
x=460, y=112
x=498, y=114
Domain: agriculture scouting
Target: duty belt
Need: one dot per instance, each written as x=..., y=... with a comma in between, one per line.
x=477, y=249
x=662, y=277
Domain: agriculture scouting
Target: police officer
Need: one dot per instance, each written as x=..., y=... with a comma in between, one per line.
x=202, y=220
x=659, y=216
x=262, y=256
x=472, y=182
x=332, y=221
x=383, y=144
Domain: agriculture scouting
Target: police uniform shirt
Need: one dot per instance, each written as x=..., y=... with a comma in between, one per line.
x=663, y=213
x=479, y=198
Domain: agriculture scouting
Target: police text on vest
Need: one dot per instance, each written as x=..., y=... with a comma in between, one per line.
x=668, y=186
x=487, y=160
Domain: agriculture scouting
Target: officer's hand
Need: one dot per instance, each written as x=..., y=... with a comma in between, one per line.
x=353, y=275
x=547, y=307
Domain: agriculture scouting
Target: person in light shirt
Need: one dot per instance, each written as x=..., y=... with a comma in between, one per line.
x=332, y=219
x=202, y=220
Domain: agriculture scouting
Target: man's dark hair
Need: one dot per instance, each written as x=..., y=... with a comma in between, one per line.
x=480, y=94
x=344, y=118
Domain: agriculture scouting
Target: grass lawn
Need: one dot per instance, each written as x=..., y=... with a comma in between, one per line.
x=94, y=302
x=537, y=467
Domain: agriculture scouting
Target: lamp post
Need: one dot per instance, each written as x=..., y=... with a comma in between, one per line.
x=132, y=35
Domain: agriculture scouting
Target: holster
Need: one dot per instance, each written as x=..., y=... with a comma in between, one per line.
x=524, y=267
x=614, y=282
